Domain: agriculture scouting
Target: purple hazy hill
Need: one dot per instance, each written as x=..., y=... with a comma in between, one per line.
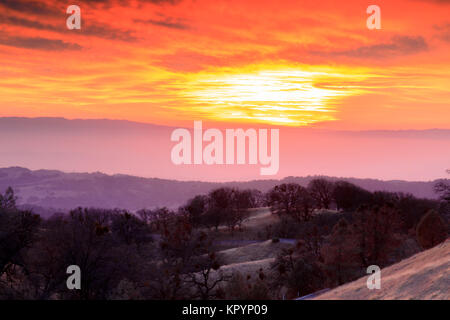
x=51, y=189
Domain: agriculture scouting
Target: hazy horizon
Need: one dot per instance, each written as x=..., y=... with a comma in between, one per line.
x=129, y=148
x=219, y=181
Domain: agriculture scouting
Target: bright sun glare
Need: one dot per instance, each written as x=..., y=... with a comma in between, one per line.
x=279, y=97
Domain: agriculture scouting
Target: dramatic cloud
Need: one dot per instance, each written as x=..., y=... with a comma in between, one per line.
x=264, y=62
x=400, y=45
x=31, y=7
x=38, y=43
x=112, y=3
x=89, y=28
x=167, y=22
x=107, y=32
x=17, y=21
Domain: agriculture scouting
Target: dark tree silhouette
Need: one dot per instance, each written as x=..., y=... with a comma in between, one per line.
x=431, y=230
x=8, y=200
x=292, y=200
x=322, y=192
x=18, y=231
x=443, y=189
x=349, y=197
x=195, y=209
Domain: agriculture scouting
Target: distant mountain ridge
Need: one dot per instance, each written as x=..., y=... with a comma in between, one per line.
x=46, y=189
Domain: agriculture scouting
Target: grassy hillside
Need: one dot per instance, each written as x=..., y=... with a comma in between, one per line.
x=423, y=276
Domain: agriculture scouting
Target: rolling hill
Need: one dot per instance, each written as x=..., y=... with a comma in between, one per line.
x=44, y=189
x=424, y=276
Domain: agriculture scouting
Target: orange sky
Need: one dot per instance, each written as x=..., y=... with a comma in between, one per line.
x=259, y=62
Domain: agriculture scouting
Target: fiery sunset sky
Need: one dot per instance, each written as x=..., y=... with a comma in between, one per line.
x=295, y=63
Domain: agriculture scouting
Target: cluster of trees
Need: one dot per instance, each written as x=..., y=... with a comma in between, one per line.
x=155, y=254
x=299, y=202
x=443, y=189
x=223, y=206
x=115, y=250
x=170, y=254
x=378, y=228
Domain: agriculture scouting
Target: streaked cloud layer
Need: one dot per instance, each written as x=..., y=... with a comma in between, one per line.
x=292, y=63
